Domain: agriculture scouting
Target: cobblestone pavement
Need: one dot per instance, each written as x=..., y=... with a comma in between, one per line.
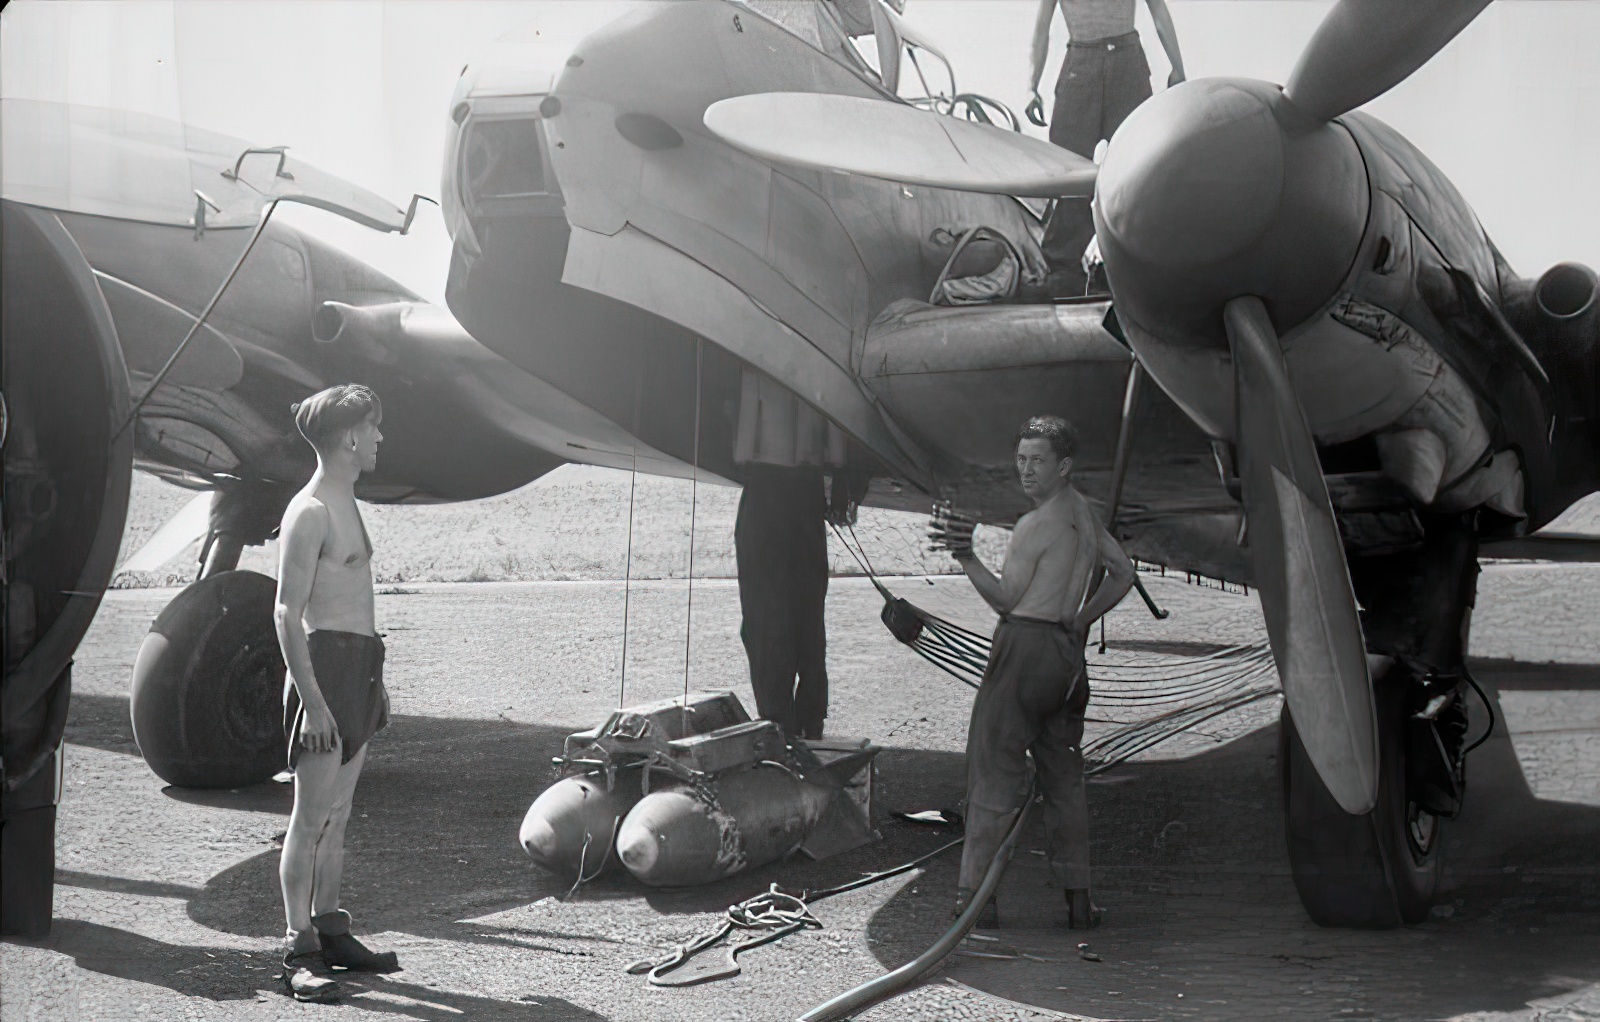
x=167, y=900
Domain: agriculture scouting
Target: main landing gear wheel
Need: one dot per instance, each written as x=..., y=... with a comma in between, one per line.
x=1372, y=871
x=207, y=699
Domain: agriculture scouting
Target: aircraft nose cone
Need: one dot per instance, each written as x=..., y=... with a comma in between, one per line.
x=1195, y=175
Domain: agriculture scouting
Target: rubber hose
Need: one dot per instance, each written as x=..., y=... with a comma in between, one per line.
x=890, y=984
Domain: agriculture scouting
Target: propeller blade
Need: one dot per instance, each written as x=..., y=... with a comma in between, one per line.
x=1300, y=567
x=876, y=138
x=1364, y=48
x=189, y=524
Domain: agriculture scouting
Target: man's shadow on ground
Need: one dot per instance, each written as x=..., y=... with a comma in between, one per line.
x=229, y=974
x=432, y=845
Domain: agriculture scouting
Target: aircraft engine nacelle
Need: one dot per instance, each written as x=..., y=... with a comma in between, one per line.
x=68, y=458
x=68, y=455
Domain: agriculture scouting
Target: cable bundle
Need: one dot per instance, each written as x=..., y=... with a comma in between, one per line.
x=1176, y=693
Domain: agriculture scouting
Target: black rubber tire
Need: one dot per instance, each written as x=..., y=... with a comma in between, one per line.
x=207, y=697
x=1358, y=871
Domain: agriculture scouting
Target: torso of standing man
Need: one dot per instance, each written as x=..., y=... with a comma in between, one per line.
x=1064, y=532
x=1089, y=20
x=341, y=594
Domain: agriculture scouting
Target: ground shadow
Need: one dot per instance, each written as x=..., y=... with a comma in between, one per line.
x=1189, y=856
x=1190, y=859
x=101, y=722
x=229, y=974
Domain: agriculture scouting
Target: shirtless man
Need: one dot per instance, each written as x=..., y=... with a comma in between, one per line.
x=1035, y=688
x=334, y=699
x=1103, y=78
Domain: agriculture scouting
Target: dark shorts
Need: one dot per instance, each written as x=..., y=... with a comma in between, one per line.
x=349, y=672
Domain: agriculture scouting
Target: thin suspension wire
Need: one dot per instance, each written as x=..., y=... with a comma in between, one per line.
x=627, y=578
x=694, y=484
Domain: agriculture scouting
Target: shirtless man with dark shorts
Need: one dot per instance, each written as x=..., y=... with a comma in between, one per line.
x=1035, y=688
x=334, y=699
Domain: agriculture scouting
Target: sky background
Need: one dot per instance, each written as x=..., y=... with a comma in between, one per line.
x=1510, y=110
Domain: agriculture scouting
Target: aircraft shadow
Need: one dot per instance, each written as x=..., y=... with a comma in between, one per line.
x=1190, y=860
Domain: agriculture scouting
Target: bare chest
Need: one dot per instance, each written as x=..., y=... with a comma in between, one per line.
x=1088, y=20
x=347, y=544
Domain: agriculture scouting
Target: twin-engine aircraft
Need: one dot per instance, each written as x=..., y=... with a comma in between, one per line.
x=1354, y=391
x=722, y=234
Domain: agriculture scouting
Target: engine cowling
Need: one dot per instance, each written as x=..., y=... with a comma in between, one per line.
x=68, y=465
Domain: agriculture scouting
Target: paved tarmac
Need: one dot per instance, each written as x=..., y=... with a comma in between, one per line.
x=168, y=908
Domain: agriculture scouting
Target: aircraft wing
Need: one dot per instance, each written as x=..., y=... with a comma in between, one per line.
x=132, y=166
x=298, y=316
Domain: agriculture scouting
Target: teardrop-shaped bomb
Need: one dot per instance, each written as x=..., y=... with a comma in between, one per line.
x=675, y=837
x=569, y=812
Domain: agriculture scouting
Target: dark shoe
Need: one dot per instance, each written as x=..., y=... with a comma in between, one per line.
x=343, y=951
x=988, y=916
x=305, y=978
x=1082, y=912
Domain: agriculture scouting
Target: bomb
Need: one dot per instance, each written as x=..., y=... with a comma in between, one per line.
x=570, y=828
x=689, y=791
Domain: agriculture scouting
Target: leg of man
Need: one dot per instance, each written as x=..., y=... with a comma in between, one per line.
x=1080, y=96
x=316, y=783
x=1058, y=757
x=27, y=868
x=781, y=552
x=1074, y=124
x=763, y=601
x=809, y=585
x=28, y=851
x=1127, y=85
x=332, y=923
x=328, y=858
x=1024, y=684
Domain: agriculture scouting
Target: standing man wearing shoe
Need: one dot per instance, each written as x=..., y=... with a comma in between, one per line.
x=334, y=699
x=1035, y=688
x=1103, y=78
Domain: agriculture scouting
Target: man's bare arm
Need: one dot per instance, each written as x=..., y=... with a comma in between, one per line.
x=1118, y=580
x=305, y=528
x=1041, y=41
x=1022, y=560
x=1169, y=39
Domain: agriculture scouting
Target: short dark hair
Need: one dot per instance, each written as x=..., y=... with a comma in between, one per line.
x=327, y=415
x=1062, y=436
